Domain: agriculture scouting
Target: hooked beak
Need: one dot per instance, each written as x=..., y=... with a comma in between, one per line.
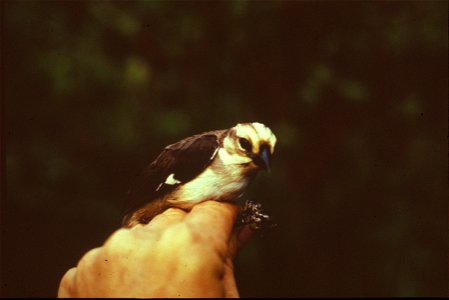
x=263, y=160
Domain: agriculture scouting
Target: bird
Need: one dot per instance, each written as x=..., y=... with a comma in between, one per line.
x=214, y=165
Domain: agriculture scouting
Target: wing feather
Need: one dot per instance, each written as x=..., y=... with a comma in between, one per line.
x=185, y=159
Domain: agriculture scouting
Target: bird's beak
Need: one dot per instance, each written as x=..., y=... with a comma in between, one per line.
x=263, y=160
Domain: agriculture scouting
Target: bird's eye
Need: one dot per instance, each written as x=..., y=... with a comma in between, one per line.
x=245, y=144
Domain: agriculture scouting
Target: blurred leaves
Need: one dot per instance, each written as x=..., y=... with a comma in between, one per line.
x=115, y=18
x=352, y=90
x=172, y=123
x=137, y=73
x=319, y=79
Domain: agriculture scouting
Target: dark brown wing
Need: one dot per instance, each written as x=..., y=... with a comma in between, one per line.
x=185, y=159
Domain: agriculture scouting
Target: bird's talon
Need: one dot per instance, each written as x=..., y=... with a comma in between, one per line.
x=253, y=215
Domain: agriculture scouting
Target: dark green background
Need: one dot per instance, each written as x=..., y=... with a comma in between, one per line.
x=356, y=93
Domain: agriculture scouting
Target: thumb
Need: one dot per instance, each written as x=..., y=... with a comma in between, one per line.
x=240, y=237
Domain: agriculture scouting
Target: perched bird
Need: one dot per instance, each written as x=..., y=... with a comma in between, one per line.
x=214, y=165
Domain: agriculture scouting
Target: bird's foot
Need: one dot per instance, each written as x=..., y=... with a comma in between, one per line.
x=253, y=215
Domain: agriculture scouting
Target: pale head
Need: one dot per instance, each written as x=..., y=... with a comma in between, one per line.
x=257, y=134
x=248, y=142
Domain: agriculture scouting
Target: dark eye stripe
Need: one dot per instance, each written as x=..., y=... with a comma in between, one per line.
x=245, y=144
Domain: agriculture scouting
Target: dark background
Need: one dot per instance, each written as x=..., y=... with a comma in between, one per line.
x=356, y=93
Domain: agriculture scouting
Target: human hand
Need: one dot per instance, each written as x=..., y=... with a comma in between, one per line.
x=177, y=254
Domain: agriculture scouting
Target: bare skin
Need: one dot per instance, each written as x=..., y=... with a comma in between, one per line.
x=177, y=254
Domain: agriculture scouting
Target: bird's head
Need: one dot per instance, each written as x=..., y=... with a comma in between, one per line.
x=251, y=144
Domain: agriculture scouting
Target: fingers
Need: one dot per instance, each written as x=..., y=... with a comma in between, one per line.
x=67, y=284
x=164, y=220
x=229, y=283
x=217, y=218
x=241, y=235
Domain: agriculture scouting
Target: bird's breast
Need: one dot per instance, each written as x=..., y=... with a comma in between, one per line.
x=215, y=183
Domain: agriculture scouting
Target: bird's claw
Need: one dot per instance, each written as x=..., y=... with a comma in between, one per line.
x=253, y=215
